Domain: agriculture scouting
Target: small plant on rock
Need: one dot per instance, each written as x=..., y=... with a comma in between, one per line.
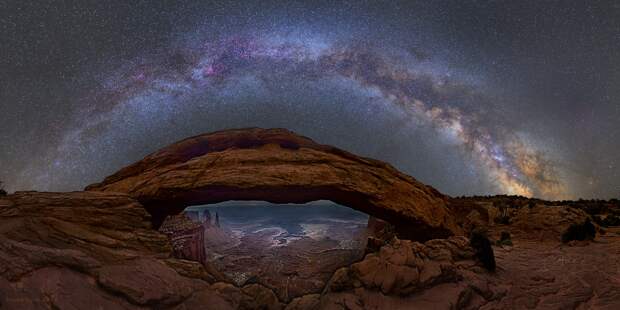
x=504, y=239
x=2, y=191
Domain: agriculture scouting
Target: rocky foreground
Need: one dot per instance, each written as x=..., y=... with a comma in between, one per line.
x=101, y=249
x=77, y=250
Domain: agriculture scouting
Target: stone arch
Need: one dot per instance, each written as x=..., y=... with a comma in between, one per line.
x=278, y=166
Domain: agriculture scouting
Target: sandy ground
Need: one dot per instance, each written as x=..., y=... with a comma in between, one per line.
x=551, y=275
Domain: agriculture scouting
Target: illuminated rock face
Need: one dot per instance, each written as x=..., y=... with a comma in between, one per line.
x=279, y=166
x=186, y=233
x=76, y=250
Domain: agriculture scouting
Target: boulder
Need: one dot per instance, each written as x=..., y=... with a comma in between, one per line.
x=439, y=274
x=546, y=222
x=404, y=267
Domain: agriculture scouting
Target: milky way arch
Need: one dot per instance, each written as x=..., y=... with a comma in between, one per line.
x=160, y=83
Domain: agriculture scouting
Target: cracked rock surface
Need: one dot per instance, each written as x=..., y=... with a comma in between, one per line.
x=84, y=249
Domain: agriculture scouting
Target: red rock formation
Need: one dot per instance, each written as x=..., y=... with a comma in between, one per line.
x=92, y=249
x=539, y=220
x=186, y=236
x=279, y=166
x=440, y=274
x=379, y=233
x=89, y=250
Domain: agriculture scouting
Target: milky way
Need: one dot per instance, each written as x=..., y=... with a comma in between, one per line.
x=406, y=105
x=517, y=168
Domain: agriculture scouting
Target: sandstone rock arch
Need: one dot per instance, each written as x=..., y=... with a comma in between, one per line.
x=276, y=165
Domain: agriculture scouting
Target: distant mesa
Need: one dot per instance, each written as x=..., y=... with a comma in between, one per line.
x=279, y=166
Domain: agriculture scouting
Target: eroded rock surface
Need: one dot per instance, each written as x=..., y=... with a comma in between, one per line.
x=279, y=166
x=440, y=274
x=88, y=250
x=444, y=274
x=536, y=222
x=546, y=222
x=542, y=274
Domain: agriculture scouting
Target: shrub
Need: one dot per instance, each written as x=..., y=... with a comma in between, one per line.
x=598, y=220
x=502, y=219
x=484, y=251
x=611, y=220
x=2, y=191
x=583, y=231
x=504, y=239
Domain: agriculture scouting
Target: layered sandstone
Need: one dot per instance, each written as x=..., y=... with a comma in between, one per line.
x=539, y=221
x=88, y=250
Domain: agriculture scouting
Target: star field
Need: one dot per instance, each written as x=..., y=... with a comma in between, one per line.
x=472, y=98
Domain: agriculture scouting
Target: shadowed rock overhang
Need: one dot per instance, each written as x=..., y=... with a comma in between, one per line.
x=279, y=166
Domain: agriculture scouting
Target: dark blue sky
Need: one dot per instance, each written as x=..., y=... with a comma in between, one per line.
x=472, y=97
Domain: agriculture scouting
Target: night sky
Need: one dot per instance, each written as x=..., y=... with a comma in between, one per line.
x=471, y=97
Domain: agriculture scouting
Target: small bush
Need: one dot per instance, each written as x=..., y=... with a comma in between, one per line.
x=504, y=239
x=611, y=220
x=2, y=191
x=502, y=219
x=584, y=231
x=484, y=251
